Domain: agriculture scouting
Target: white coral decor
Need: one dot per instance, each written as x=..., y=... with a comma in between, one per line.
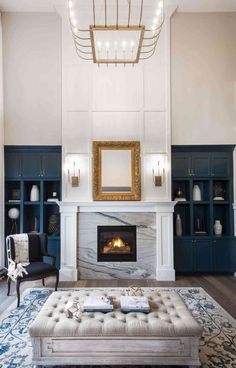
x=16, y=270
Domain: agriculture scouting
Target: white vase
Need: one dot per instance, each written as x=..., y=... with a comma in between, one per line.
x=197, y=193
x=218, y=228
x=178, y=225
x=34, y=194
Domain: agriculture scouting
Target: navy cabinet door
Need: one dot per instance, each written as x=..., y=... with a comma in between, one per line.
x=181, y=164
x=203, y=255
x=51, y=165
x=221, y=164
x=31, y=165
x=183, y=254
x=201, y=164
x=225, y=255
x=12, y=165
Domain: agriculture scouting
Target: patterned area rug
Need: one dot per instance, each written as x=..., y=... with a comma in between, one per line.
x=217, y=347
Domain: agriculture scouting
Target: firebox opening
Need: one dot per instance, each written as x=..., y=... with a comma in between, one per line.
x=116, y=244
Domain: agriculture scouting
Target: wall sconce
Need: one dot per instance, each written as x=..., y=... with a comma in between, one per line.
x=74, y=177
x=158, y=175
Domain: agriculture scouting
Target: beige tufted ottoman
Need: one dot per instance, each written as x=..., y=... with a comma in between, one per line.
x=168, y=335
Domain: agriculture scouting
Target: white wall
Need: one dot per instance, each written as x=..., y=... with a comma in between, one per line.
x=32, y=78
x=1, y=157
x=203, y=59
x=101, y=103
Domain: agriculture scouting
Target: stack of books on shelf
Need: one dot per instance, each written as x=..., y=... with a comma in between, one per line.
x=134, y=304
x=97, y=304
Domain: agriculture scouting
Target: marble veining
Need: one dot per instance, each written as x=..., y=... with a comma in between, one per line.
x=89, y=268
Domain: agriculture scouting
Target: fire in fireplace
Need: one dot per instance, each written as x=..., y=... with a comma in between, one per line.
x=116, y=244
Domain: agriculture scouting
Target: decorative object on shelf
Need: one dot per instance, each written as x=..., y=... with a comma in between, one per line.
x=179, y=195
x=218, y=228
x=178, y=225
x=36, y=227
x=218, y=191
x=34, y=194
x=15, y=194
x=158, y=175
x=197, y=193
x=53, y=198
x=54, y=225
x=74, y=177
x=14, y=214
x=122, y=32
x=199, y=227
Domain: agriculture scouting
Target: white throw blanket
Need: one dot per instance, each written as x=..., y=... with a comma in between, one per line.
x=16, y=268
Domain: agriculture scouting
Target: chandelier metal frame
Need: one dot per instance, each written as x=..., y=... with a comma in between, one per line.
x=84, y=39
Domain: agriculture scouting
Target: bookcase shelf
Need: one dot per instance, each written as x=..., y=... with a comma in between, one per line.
x=211, y=169
x=26, y=166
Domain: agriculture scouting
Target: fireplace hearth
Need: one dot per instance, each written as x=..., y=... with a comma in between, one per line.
x=116, y=244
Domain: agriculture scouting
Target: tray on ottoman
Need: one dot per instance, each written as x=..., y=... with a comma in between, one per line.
x=168, y=335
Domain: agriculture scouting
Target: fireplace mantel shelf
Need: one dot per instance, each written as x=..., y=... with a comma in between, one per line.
x=117, y=206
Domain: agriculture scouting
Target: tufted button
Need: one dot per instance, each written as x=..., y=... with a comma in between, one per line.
x=56, y=320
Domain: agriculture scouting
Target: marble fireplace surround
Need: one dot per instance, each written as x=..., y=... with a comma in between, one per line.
x=70, y=234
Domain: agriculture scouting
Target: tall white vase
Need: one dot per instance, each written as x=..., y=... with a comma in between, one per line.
x=34, y=194
x=197, y=193
x=178, y=225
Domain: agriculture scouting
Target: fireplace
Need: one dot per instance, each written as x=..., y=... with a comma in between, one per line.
x=116, y=244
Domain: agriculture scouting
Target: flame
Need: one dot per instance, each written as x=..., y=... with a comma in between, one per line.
x=118, y=242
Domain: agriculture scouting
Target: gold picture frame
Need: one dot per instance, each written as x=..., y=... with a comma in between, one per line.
x=128, y=155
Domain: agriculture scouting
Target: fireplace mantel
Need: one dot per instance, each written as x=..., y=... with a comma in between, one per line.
x=117, y=206
x=164, y=233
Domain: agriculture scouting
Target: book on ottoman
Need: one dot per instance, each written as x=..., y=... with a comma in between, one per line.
x=97, y=304
x=134, y=304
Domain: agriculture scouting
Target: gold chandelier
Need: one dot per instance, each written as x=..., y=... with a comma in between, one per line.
x=115, y=31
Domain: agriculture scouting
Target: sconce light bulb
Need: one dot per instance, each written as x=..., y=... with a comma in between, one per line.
x=132, y=44
x=74, y=21
x=70, y=4
x=155, y=21
x=160, y=5
x=124, y=45
x=107, y=44
x=99, y=44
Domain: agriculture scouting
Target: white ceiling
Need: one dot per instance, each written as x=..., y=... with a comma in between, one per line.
x=183, y=5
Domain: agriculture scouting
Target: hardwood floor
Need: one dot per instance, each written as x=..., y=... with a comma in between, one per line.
x=222, y=288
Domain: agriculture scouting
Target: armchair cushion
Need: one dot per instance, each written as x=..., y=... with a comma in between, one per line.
x=39, y=268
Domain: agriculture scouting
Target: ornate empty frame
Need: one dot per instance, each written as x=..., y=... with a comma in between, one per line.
x=116, y=171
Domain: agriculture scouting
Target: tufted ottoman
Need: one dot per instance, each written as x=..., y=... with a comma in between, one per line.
x=168, y=335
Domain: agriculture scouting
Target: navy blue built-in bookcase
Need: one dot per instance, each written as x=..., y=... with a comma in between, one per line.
x=198, y=249
x=26, y=166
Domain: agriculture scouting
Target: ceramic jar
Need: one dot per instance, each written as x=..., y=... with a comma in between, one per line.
x=197, y=193
x=34, y=194
x=178, y=225
x=217, y=228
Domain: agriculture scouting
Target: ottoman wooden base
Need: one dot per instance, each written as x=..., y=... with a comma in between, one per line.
x=139, y=351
